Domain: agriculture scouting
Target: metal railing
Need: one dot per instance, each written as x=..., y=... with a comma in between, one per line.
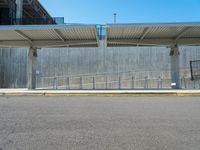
x=31, y=21
x=120, y=80
x=195, y=69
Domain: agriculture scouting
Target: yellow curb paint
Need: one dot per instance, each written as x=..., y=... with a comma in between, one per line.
x=106, y=94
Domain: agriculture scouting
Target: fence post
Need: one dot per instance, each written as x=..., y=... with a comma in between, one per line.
x=185, y=82
x=133, y=82
x=106, y=82
x=94, y=83
x=54, y=83
x=181, y=83
x=146, y=82
x=67, y=84
x=42, y=82
x=159, y=79
x=161, y=82
x=119, y=82
x=81, y=83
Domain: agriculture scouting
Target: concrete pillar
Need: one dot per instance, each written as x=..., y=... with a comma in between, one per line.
x=32, y=64
x=19, y=10
x=174, y=57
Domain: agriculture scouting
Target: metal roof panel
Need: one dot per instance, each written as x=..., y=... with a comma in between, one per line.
x=55, y=35
x=9, y=35
x=153, y=34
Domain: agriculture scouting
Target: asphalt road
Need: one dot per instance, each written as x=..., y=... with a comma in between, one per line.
x=99, y=123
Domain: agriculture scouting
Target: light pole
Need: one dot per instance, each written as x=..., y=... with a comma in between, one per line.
x=115, y=18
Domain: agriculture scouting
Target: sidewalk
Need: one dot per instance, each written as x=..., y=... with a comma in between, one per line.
x=26, y=92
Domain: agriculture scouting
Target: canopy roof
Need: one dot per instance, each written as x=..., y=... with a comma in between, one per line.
x=40, y=36
x=148, y=34
x=153, y=34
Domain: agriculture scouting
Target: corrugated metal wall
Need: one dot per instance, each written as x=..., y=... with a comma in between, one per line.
x=75, y=61
x=13, y=68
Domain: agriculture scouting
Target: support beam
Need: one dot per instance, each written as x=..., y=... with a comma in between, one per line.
x=24, y=36
x=48, y=43
x=59, y=35
x=182, y=33
x=19, y=10
x=87, y=43
x=174, y=60
x=144, y=33
x=153, y=42
x=31, y=68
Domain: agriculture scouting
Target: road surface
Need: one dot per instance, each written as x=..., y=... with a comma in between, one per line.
x=99, y=123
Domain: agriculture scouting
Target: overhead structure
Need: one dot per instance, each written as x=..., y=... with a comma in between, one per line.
x=153, y=34
x=44, y=36
x=171, y=35
x=35, y=9
x=14, y=12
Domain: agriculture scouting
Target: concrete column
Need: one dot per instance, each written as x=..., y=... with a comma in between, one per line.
x=32, y=64
x=19, y=10
x=174, y=56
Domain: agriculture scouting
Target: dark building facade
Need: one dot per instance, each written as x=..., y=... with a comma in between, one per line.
x=32, y=13
x=7, y=11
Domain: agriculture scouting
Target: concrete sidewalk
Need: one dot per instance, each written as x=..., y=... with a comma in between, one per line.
x=26, y=92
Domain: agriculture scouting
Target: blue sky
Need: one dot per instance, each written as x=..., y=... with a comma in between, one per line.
x=129, y=11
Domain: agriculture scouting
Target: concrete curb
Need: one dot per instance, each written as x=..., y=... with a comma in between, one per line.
x=107, y=93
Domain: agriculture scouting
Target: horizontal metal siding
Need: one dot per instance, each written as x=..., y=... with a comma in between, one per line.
x=69, y=32
x=193, y=32
x=124, y=33
x=79, y=34
x=41, y=34
x=163, y=32
x=153, y=32
x=9, y=35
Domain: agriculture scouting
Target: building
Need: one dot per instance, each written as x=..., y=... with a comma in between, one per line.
x=25, y=12
x=7, y=11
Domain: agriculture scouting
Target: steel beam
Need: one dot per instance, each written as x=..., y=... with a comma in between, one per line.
x=19, y=10
x=129, y=42
x=46, y=43
x=144, y=33
x=154, y=42
x=24, y=36
x=59, y=35
x=186, y=29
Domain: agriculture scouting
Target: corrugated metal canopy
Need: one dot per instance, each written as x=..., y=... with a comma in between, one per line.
x=48, y=36
x=153, y=34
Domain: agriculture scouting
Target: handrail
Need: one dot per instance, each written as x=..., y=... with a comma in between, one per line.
x=145, y=84
x=160, y=81
x=108, y=82
x=31, y=21
x=112, y=73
